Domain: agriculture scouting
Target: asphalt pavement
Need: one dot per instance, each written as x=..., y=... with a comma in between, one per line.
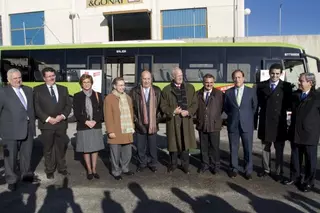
x=155, y=192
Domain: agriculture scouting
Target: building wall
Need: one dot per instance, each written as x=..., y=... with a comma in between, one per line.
x=89, y=24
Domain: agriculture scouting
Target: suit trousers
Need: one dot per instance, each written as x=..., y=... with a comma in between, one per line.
x=266, y=156
x=11, y=149
x=120, y=155
x=309, y=153
x=147, y=148
x=210, y=151
x=234, y=140
x=55, y=143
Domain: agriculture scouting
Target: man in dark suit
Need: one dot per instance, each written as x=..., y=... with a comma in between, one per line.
x=17, y=128
x=304, y=133
x=240, y=106
x=274, y=96
x=52, y=107
x=209, y=123
x=146, y=113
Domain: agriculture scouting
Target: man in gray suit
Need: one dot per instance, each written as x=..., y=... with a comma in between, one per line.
x=240, y=106
x=17, y=128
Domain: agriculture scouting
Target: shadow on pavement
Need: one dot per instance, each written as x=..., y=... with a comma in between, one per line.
x=303, y=201
x=109, y=206
x=60, y=199
x=145, y=204
x=205, y=204
x=263, y=205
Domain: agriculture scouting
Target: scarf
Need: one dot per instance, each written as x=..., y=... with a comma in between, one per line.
x=88, y=104
x=125, y=114
x=152, y=110
x=181, y=95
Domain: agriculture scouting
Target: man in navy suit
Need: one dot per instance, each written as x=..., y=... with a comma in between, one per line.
x=240, y=106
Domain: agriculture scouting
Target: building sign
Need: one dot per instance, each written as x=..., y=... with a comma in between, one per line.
x=100, y=3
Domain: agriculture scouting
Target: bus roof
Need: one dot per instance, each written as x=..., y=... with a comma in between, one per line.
x=151, y=43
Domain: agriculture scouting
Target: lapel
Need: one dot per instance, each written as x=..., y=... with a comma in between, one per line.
x=266, y=88
x=233, y=96
x=13, y=94
x=27, y=96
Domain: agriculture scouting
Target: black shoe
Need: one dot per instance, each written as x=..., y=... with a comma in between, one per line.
x=203, y=169
x=185, y=170
x=12, y=187
x=289, y=182
x=50, y=175
x=140, y=169
x=64, y=172
x=215, y=171
x=96, y=175
x=232, y=174
x=264, y=174
x=31, y=179
x=278, y=178
x=153, y=169
x=90, y=176
x=307, y=187
x=171, y=169
x=248, y=176
x=129, y=173
x=118, y=177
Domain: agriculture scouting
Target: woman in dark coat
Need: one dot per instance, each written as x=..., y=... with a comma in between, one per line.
x=88, y=111
x=304, y=132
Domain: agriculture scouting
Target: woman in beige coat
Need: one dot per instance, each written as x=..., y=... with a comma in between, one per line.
x=120, y=128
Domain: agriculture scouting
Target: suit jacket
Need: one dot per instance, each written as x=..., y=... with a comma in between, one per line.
x=243, y=114
x=44, y=106
x=15, y=121
x=305, y=119
x=79, y=107
x=273, y=110
x=209, y=115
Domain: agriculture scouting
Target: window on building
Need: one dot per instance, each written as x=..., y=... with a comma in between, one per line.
x=27, y=28
x=186, y=23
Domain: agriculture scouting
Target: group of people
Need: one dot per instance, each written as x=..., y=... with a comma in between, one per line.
x=140, y=112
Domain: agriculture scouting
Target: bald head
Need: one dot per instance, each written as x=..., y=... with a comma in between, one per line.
x=146, y=79
x=177, y=75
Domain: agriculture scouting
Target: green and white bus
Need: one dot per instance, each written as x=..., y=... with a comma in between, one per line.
x=128, y=59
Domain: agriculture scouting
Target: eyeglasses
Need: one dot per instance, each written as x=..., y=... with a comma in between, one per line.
x=86, y=82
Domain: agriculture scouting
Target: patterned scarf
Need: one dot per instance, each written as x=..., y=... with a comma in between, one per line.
x=152, y=110
x=181, y=95
x=125, y=114
x=89, y=110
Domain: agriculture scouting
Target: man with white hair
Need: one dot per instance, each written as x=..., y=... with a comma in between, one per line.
x=17, y=128
x=179, y=104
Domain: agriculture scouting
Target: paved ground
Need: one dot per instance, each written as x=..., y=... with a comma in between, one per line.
x=160, y=192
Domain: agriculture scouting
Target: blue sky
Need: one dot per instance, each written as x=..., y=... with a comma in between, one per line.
x=298, y=17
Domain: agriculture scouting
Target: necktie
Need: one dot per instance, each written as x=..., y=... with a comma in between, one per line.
x=238, y=96
x=303, y=96
x=53, y=95
x=146, y=94
x=23, y=101
x=273, y=86
x=207, y=97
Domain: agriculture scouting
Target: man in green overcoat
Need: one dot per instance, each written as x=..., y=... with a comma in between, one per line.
x=179, y=104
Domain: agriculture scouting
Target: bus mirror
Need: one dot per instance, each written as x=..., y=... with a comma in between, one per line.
x=318, y=65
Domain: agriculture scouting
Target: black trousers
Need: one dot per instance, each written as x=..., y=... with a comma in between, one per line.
x=210, y=151
x=309, y=154
x=147, y=150
x=184, y=157
x=54, y=149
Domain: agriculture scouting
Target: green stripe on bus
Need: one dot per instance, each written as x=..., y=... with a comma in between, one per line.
x=73, y=87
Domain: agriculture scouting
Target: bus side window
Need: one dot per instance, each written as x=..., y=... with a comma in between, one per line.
x=47, y=58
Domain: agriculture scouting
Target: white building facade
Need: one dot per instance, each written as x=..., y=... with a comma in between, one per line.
x=94, y=21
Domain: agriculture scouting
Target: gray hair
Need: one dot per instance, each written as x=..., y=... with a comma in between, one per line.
x=309, y=77
x=174, y=70
x=11, y=71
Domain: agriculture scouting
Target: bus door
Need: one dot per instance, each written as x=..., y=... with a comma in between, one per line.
x=97, y=63
x=121, y=66
x=143, y=62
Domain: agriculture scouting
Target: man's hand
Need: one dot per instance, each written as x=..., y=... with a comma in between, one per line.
x=59, y=118
x=52, y=121
x=177, y=111
x=112, y=135
x=184, y=113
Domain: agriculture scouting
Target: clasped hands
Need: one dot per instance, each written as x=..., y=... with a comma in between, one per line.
x=179, y=111
x=56, y=119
